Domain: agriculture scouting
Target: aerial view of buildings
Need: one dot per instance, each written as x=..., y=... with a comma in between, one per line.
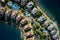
x=29, y=18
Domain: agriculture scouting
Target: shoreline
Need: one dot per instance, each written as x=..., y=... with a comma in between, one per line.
x=51, y=16
x=43, y=13
x=48, y=17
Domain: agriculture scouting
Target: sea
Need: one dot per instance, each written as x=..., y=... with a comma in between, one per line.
x=8, y=32
x=52, y=8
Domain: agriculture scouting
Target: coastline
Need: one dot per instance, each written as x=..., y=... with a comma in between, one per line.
x=45, y=12
x=48, y=17
x=51, y=16
x=9, y=33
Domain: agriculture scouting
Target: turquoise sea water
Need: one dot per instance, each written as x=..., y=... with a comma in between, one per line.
x=52, y=8
x=8, y=32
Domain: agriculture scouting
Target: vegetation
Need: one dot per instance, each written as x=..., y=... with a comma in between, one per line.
x=37, y=31
x=36, y=27
x=35, y=2
x=40, y=33
x=38, y=14
x=49, y=37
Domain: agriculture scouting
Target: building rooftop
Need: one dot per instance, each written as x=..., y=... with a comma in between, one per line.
x=13, y=15
x=29, y=34
x=30, y=5
x=47, y=23
x=18, y=17
x=23, y=2
x=13, y=6
x=8, y=12
x=1, y=11
x=9, y=3
x=53, y=32
x=41, y=19
x=34, y=11
x=23, y=21
x=27, y=26
x=50, y=28
x=55, y=36
x=29, y=23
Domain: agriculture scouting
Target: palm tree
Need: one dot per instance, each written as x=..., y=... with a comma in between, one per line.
x=38, y=14
x=40, y=33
